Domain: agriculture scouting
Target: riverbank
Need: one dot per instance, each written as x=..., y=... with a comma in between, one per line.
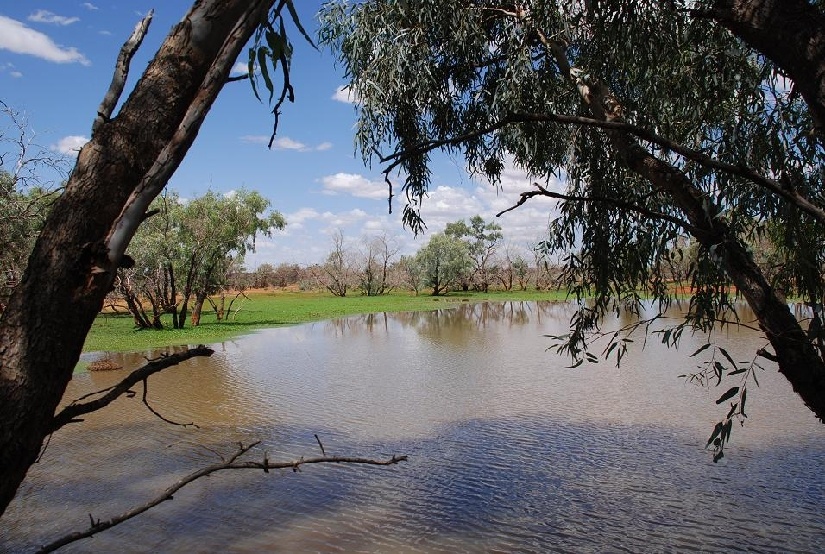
x=274, y=308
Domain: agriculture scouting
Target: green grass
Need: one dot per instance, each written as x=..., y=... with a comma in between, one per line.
x=117, y=333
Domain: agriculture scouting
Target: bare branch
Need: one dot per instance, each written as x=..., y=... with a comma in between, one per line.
x=124, y=58
x=613, y=201
x=70, y=413
x=231, y=463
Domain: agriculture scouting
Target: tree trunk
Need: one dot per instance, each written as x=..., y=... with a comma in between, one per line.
x=197, y=308
x=74, y=261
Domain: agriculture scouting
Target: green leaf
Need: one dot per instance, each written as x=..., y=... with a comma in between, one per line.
x=251, y=69
x=742, y=400
x=701, y=349
x=726, y=355
x=296, y=20
x=263, y=52
x=716, y=431
x=730, y=393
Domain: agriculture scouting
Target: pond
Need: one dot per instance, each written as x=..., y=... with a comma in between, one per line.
x=509, y=449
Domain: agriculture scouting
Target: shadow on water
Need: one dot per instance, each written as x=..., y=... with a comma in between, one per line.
x=509, y=451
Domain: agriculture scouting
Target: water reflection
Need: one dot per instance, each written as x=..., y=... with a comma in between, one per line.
x=510, y=450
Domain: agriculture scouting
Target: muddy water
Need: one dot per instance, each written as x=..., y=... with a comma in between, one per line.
x=510, y=450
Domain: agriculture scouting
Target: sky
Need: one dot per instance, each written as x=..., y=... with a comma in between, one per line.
x=56, y=63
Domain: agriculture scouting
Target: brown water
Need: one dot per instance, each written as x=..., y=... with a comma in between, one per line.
x=510, y=451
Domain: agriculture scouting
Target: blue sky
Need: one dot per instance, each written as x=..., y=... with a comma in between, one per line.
x=56, y=61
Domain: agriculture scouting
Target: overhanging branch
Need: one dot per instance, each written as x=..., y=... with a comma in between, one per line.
x=740, y=170
x=70, y=413
x=541, y=191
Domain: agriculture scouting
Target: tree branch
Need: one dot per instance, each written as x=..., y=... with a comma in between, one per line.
x=127, y=51
x=225, y=464
x=70, y=413
x=614, y=201
x=740, y=170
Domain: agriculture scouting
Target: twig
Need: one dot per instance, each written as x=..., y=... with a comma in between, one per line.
x=69, y=413
x=232, y=463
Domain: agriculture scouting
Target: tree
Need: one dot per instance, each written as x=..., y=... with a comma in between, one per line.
x=25, y=197
x=716, y=123
x=337, y=275
x=376, y=260
x=443, y=262
x=118, y=173
x=483, y=239
x=215, y=233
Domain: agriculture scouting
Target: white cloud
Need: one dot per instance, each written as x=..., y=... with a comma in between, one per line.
x=354, y=185
x=286, y=143
x=105, y=33
x=45, y=16
x=70, y=145
x=345, y=94
x=255, y=139
x=18, y=38
x=16, y=74
x=89, y=6
x=240, y=68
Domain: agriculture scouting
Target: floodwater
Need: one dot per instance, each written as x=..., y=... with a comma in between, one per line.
x=509, y=449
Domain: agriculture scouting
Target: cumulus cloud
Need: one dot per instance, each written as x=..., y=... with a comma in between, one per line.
x=70, y=145
x=286, y=143
x=345, y=94
x=45, y=16
x=240, y=68
x=20, y=39
x=354, y=185
x=89, y=6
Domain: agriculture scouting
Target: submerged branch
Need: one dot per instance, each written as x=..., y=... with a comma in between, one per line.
x=70, y=413
x=225, y=464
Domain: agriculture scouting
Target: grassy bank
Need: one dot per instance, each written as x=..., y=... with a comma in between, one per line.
x=272, y=309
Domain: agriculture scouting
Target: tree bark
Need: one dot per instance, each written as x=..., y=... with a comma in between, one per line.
x=791, y=33
x=74, y=261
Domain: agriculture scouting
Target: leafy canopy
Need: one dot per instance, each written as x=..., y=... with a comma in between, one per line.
x=493, y=81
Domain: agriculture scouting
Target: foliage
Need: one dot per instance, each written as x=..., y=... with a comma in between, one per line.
x=483, y=239
x=443, y=262
x=189, y=250
x=689, y=140
x=26, y=194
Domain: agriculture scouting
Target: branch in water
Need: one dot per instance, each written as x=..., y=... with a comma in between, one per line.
x=232, y=462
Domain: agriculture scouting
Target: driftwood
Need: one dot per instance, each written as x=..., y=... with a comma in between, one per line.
x=233, y=462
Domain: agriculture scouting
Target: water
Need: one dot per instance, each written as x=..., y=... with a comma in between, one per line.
x=510, y=450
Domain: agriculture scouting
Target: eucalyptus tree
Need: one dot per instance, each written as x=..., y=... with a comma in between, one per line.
x=483, y=239
x=443, y=263
x=215, y=233
x=697, y=118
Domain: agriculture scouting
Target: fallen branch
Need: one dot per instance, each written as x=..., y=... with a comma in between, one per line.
x=232, y=462
x=70, y=413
